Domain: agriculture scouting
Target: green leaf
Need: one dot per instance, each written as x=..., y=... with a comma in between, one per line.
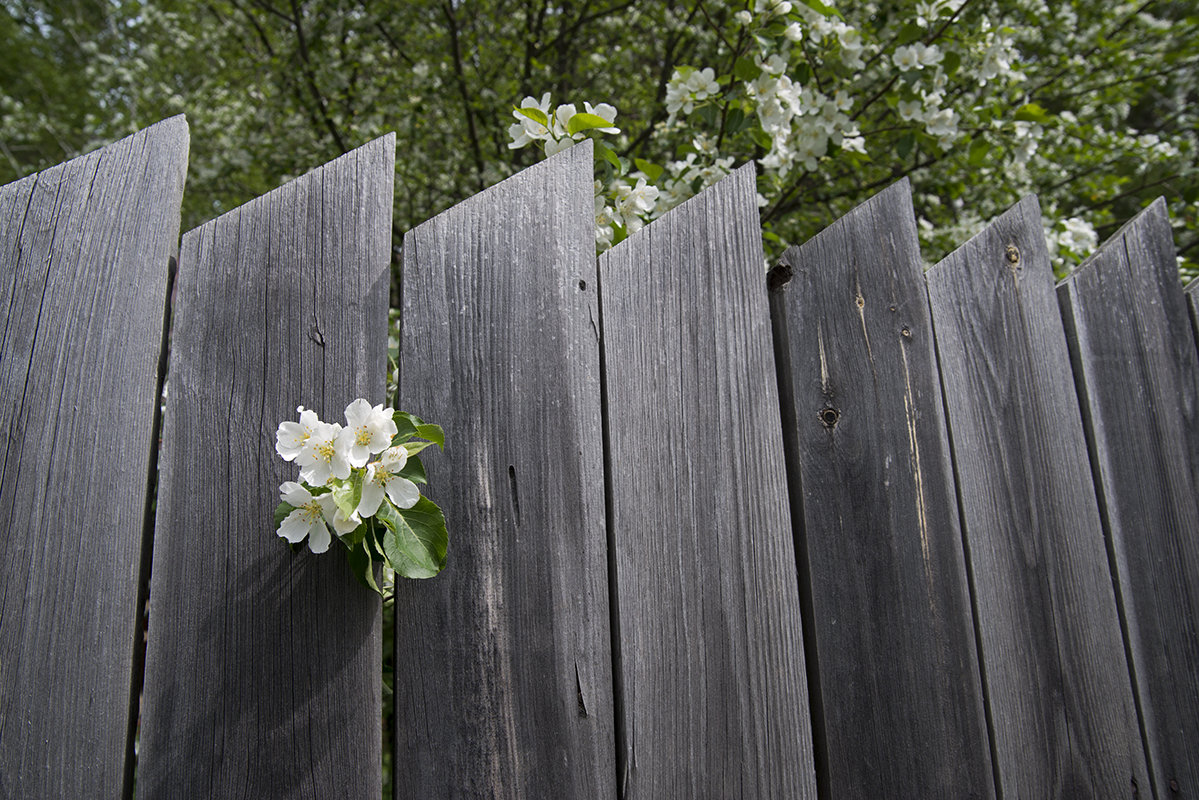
x=822, y=9
x=363, y=566
x=979, y=148
x=652, y=171
x=415, y=447
x=1031, y=112
x=803, y=73
x=746, y=70
x=535, y=114
x=708, y=115
x=910, y=33
x=585, y=122
x=347, y=494
x=735, y=120
x=434, y=433
x=415, y=541
x=605, y=152
x=281, y=512
x=905, y=145
x=410, y=425
x=414, y=470
x=951, y=62
x=761, y=138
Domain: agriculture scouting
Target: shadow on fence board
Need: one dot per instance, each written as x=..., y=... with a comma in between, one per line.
x=263, y=667
x=84, y=250
x=898, y=703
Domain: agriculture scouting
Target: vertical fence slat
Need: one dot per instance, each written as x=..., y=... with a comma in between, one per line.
x=263, y=667
x=85, y=250
x=710, y=646
x=1137, y=369
x=1054, y=664
x=900, y=709
x=503, y=662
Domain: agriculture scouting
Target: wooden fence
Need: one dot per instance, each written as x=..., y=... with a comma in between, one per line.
x=849, y=530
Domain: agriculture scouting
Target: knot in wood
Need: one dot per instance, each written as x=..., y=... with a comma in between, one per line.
x=829, y=417
x=1012, y=254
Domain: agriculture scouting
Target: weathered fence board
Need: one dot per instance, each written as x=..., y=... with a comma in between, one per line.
x=85, y=250
x=899, y=711
x=710, y=651
x=503, y=662
x=263, y=667
x=1058, y=686
x=1138, y=375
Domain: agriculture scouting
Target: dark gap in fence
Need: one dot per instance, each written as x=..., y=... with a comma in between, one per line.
x=618, y=705
x=138, y=676
x=777, y=279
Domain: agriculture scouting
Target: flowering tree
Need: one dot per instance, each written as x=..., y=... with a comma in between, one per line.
x=1089, y=105
x=1086, y=106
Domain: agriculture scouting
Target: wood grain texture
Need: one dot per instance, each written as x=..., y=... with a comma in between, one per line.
x=710, y=644
x=263, y=667
x=85, y=251
x=900, y=708
x=1054, y=666
x=503, y=662
x=1138, y=374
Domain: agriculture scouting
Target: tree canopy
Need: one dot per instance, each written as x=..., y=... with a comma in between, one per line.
x=1089, y=105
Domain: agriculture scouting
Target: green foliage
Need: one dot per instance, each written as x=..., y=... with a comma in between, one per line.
x=1089, y=105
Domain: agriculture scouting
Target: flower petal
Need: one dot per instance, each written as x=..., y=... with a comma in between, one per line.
x=294, y=494
x=319, y=536
x=402, y=492
x=295, y=527
x=372, y=496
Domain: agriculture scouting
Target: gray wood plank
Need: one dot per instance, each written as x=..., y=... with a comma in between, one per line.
x=890, y=629
x=710, y=643
x=85, y=249
x=1138, y=377
x=503, y=662
x=1054, y=666
x=263, y=674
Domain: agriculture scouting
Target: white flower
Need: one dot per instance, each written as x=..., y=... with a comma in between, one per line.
x=603, y=111
x=744, y=17
x=383, y=476
x=290, y=438
x=307, y=518
x=906, y=58
x=793, y=32
x=368, y=431
x=638, y=199
x=910, y=109
x=1079, y=236
x=526, y=130
x=324, y=454
x=561, y=118
x=928, y=55
x=943, y=124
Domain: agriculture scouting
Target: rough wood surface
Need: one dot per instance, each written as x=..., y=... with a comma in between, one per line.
x=899, y=710
x=710, y=645
x=1136, y=366
x=263, y=667
x=1058, y=686
x=503, y=662
x=85, y=251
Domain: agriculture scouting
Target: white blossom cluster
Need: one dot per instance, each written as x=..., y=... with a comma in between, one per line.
x=535, y=122
x=327, y=454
